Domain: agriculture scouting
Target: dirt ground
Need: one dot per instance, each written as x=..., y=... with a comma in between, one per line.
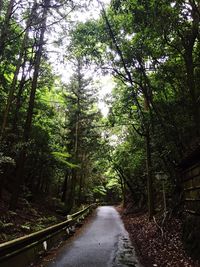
x=154, y=247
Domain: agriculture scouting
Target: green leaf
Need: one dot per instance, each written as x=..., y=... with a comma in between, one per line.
x=60, y=157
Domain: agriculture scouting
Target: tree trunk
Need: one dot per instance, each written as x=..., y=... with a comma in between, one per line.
x=22, y=83
x=189, y=42
x=65, y=185
x=71, y=196
x=124, y=178
x=18, y=66
x=149, y=177
x=5, y=27
x=36, y=73
x=80, y=187
x=18, y=102
x=123, y=190
x=12, y=89
x=192, y=89
x=19, y=178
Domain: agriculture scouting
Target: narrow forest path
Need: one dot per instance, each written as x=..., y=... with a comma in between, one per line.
x=103, y=242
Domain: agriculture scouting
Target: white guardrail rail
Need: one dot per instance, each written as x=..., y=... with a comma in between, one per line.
x=21, y=252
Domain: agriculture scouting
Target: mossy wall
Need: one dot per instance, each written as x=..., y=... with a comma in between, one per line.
x=191, y=224
x=191, y=184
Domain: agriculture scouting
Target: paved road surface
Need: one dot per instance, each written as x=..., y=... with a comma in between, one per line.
x=103, y=243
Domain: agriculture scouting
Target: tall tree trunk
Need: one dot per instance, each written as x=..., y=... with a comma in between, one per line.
x=192, y=89
x=71, y=197
x=11, y=93
x=149, y=176
x=19, y=101
x=65, y=185
x=81, y=178
x=189, y=42
x=27, y=129
x=123, y=190
x=124, y=179
x=5, y=28
x=18, y=66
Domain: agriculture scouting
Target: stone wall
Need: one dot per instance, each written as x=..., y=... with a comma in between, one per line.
x=190, y=174
x=191, y=186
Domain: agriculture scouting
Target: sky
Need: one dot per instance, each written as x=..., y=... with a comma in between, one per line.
x=64, y=69
x=106, y=86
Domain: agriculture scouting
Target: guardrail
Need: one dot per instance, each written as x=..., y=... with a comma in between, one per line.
x=22, y=251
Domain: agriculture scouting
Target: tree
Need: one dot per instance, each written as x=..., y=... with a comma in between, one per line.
x=143, y=53
x=81, y=137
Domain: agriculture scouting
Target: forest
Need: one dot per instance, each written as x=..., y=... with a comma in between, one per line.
x=56, y=146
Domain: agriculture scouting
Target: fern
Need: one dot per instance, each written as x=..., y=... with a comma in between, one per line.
x=61, y=157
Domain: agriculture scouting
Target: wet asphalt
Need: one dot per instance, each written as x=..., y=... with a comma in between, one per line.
x=103, y=243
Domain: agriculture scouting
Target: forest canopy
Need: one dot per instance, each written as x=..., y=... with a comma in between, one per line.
x=55, y=141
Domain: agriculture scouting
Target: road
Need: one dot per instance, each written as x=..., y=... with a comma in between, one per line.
x=104, y=242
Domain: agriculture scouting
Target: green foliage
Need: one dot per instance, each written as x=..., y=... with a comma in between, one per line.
x=152, y=50
x=6, y=160
x=99, y=191
x=112, y=183
x=60, y=157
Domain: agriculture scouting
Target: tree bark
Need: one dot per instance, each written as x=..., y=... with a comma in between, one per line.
x=81, y=178
x=65, y=186
x=192, y=89
x=19, y=178
x=149, y=177
x=18, y=66
x=5, y=27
